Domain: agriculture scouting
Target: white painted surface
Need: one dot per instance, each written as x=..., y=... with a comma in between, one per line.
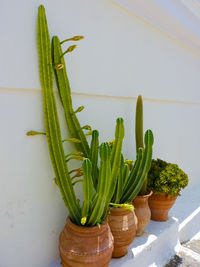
x=120, y=56
x=178, y=18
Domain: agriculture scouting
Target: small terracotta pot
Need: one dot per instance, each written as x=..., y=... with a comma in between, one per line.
x=160, y=204
x=123, y=227
x=85, y=246
x=143, y=212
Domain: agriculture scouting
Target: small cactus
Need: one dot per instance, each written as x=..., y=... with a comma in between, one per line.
x=139, y=135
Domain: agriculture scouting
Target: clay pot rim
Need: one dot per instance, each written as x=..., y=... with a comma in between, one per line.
x=86, y=229
x=164, y=195
x=145, y=196
x=119, y=210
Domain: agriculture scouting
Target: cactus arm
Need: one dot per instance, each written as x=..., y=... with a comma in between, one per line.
x=146, y=163
x=131, y=179
x=125, y=174
x=102, y=189
x=88, y=191
x=65, y=94
x=139, y=123
x=94, y=147
x=51, y=118
x=115, y=159
x=119, y=187
x=144, y=167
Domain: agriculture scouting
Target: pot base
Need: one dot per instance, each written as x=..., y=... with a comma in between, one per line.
x=143, y=212
x=85, y=246
x=123, y=227
x=160, y=204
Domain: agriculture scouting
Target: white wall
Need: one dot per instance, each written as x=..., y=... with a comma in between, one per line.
x=120, y=57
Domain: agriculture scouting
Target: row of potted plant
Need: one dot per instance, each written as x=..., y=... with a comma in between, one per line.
x=111, y=185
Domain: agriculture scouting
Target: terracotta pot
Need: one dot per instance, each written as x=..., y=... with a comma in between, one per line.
x=85, y=246
x=160, y=204
x=123, y=227
x=143, y=212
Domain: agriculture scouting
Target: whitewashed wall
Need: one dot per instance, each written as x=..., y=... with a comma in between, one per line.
x=120, y=57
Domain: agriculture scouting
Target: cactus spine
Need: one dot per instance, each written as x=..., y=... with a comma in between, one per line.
x=65, y=94
x=52, y=126
x=139, y=135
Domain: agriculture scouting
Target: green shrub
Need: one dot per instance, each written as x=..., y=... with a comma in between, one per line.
x=166, y=177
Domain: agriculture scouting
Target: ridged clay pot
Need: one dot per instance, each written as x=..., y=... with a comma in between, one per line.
x=123, y=227
x=143, y=212
x=160, y=204
x=85, y=246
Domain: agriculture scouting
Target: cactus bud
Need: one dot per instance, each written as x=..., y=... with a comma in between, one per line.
x=111, y=142
x=76, y=170
x=75, y=157
x=76, y=153
x=75, y=38
x=59, y=66
x=73, y=140
x=83, y=220
x=69, y=50
x=89, y=133
x=79, y=109
x=130, y=163
x=87, y=127
x=31, y=133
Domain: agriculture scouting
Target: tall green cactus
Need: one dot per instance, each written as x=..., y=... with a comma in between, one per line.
x=139, y=135
x=52, y=125
x=139, y=123
x=65, y=93
x=95, y=204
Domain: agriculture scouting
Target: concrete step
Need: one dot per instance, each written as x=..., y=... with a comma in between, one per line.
x=187, y=210
x=154, y=248
x=188, y=254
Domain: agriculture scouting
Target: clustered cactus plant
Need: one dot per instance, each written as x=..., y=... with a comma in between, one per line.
x=166, y=178
x=129, y=183
x=95, y=205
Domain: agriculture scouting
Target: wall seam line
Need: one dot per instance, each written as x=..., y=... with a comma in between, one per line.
x=25, y=90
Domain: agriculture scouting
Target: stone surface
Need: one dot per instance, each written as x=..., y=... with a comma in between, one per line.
x=194, y=245
x=188, y=256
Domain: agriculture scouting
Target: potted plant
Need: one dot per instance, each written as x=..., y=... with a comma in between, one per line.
x=77, y=133
x=86, y=239
x=140, y=202
x=121, y=218
x=166, y=181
